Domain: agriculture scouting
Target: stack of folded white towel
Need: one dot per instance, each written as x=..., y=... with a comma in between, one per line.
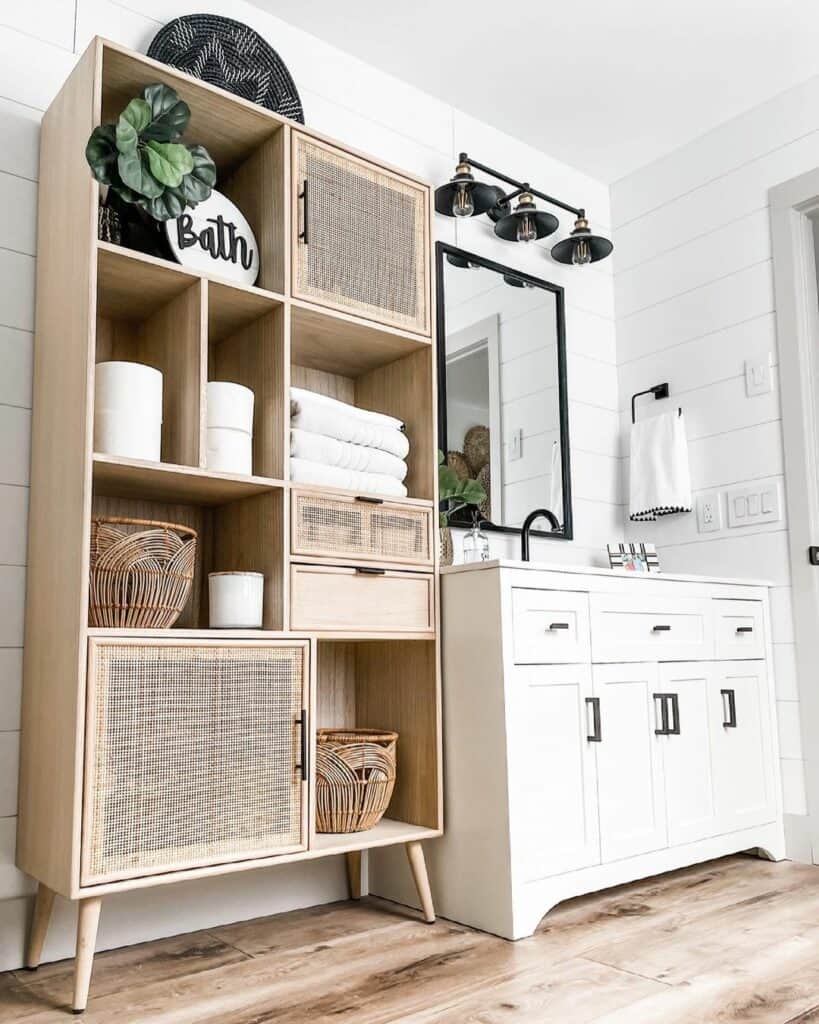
x=339, y=445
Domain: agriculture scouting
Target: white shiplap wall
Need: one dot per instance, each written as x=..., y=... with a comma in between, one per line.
x=39, y=41
x=694, y=301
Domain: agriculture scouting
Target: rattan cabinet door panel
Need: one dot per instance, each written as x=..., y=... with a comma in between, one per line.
x=193, y=754
x=361, y=237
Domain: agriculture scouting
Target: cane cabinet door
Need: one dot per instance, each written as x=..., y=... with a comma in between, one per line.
x=361, y=237
x=195, y=754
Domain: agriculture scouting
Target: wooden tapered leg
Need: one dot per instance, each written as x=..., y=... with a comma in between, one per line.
x=354, y=874
x=43, y=905
x=415, y=855
x=88, y=919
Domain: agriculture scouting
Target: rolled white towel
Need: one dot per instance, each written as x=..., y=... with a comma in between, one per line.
x=319, y=414
x=303, y=471
x=331, y=452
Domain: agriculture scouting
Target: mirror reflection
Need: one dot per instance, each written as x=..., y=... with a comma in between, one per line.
x=503, y=414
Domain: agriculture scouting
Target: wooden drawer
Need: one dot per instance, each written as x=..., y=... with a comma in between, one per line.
x=739, y=629
x=550, y=627
x=360, y=528
x=645, y=628
x=341, y=599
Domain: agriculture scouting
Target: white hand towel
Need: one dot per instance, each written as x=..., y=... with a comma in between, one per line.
x=322, y=415
x=305, y=472
x=660, y=478
x=556, y=483
x=331, y=452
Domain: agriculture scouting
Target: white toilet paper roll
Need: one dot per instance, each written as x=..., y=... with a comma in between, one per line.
x=230, y=405
x=229, y=451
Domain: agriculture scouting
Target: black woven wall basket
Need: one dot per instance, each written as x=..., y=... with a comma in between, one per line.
x=230, y=55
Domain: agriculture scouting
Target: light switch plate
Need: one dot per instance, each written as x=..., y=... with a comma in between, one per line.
x=758, y=378
x=754, y=504
x=514, y=450
x=709, y=512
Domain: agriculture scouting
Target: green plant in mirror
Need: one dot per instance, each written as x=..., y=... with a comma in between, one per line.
x=455, y=493
x=142, y=160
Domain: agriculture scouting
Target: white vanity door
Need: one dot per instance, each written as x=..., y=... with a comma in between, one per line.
x=742, y=744
x=629, y=762
x=552, y=785
x=687, y=751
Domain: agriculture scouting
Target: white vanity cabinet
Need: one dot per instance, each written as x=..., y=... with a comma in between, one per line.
x=599, y=727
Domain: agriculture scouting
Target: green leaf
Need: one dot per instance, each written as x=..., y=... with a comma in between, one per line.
x=169, y=162
x=169, y=115
x=441, y=457
x=170, y=205
x=136, y=174
x=101, y=153
x=132, y=121
x=472, y=492
x=197, y=186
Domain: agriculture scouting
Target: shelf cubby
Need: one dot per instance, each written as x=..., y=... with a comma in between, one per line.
x=388, y=684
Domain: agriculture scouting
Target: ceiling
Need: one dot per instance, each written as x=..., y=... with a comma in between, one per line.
x=604, y=85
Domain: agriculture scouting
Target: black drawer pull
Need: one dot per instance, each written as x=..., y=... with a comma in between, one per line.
x=669, y=722
x=303, y=197
x=731, y=714
x=368, y=570
x=745, y=629
x=596, y=734
x=559, y=625
x=301, y=721
x=661, y=629
x=368, y=500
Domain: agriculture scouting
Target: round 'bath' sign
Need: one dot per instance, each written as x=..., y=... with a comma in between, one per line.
x=214, y=237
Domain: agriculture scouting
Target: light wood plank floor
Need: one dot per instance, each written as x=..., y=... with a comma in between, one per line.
x=735, y=940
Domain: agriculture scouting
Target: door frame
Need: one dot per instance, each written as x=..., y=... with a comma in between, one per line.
x=797, y=329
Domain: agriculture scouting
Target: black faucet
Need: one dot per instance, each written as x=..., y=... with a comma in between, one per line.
x=527, y=526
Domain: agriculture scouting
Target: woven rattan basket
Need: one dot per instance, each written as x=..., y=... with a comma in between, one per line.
x=355, y=776
x=140, y=578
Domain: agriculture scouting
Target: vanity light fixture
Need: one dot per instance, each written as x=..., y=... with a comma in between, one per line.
x=463, y=196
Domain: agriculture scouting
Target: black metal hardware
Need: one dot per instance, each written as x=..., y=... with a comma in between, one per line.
x=519, y=186
x=527, y=525
x=301, y=721
x=597, y=734
x=813, y=555
x=368, y=570
x=368, y=500
x=303, y=196
x=558, y=625
x=669, y=724
x=745, y=629
x=661, y=629
x=659, y=391
x=732, y=709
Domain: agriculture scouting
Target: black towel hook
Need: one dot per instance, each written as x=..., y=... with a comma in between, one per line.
x=659, y=391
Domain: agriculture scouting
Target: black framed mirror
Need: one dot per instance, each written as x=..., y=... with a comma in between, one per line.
x=503, y=414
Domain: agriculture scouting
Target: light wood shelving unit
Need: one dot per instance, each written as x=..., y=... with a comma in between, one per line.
x=375, y=665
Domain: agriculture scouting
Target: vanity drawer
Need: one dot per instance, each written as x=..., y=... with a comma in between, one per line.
x=644, y=628
x=342, y=599
x=361, y=527
x=739, y=628
x=550, y=627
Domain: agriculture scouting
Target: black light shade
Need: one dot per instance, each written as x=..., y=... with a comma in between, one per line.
x=515, y=282
x=458, y=261
x=483, y=196
x=539, y=223
x=582, y=246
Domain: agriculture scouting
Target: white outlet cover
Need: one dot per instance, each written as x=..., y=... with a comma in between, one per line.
x=758, y=378
x=709, y=512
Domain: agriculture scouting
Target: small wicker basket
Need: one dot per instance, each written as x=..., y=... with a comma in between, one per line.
x=355, y=776
x=140, y=578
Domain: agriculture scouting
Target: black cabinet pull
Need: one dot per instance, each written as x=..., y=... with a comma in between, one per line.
x=368, y=500
x=745, y=629
x=303, y=197
x=559, y=625
x=596, y=735
x=669, y=722
x=675, y=712
x=731, y=716
x=301, y=721
x=661, y=629
x=368, y=570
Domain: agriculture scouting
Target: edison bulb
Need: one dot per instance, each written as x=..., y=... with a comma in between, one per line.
x=527, y=232
x=462, y=204
x=581, y=254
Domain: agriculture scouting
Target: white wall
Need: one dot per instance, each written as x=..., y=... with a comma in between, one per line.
x=39, y=41
x=694, y=300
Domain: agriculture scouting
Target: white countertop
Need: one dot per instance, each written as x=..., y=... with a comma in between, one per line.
x=591, y=570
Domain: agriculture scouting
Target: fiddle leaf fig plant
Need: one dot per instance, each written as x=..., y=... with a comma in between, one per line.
x=455, y=493
x=142, y=159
